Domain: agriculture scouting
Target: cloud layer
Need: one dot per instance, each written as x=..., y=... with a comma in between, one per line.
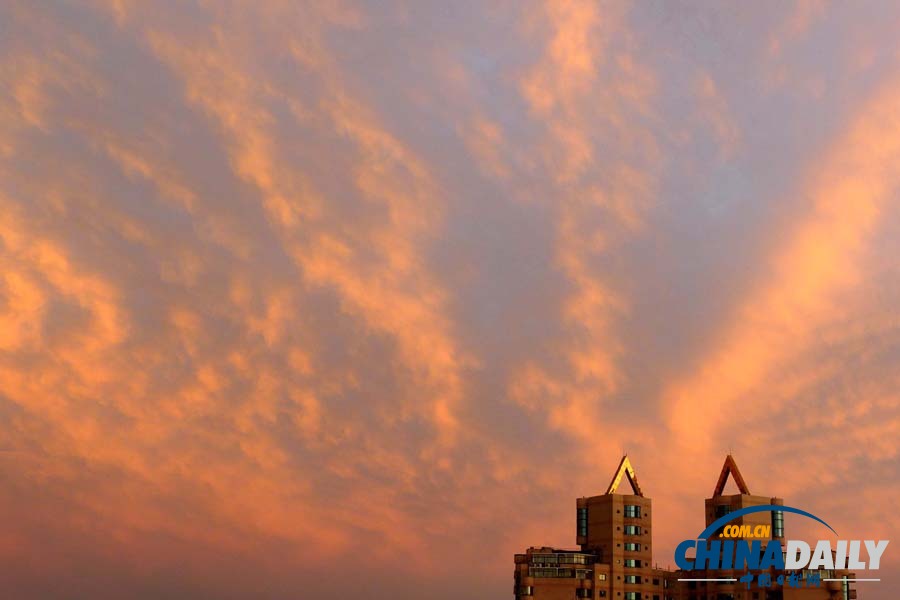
x=306, y=300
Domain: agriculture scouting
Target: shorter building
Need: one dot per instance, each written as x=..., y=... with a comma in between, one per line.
x=552, y=574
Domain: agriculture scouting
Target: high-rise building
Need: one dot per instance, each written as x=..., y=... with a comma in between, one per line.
x=614, y=559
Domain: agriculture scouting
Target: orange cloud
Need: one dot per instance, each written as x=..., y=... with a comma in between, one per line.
x=809, y=272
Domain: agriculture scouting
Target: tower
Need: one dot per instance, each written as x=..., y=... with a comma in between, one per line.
x=617, y=528
x=719, y=505
x=613, y=531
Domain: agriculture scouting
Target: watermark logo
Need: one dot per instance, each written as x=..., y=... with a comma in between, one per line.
x=740, y=547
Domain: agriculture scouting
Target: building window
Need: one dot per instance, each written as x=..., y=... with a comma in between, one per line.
x=582, y=520
x=632, y=547
x=526, y=590
x=632, y=530
x=721, y=511
x=632, y=579
x=632, y=596
x=633, y=511
x=560, y=572
x=631, y=562
x=601, y=577
x=777, y=523
x=567, y=558
x=584, y=593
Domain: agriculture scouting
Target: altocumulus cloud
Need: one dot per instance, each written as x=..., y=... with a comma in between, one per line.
x=311, y=299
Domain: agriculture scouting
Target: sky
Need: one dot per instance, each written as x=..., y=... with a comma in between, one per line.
x=330, y=299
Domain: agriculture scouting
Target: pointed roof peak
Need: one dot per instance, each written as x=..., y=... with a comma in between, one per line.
x=731, y=467
x=624, y=469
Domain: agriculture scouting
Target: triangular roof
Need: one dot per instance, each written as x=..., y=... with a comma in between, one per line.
x=730, y=467
x=624, y=468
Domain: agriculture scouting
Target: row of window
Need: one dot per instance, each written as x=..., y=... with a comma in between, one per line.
x=632, y=530
x=560, y=572
x=632, y=547
x=527, y=590
x=581, y=519
x=822, y=573
x=632, y=511
x=563, y=558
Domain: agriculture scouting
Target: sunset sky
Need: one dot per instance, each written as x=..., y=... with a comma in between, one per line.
x=329, y=299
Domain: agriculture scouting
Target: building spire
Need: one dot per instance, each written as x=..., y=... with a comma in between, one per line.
x=730, y=467
x=624, y=468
